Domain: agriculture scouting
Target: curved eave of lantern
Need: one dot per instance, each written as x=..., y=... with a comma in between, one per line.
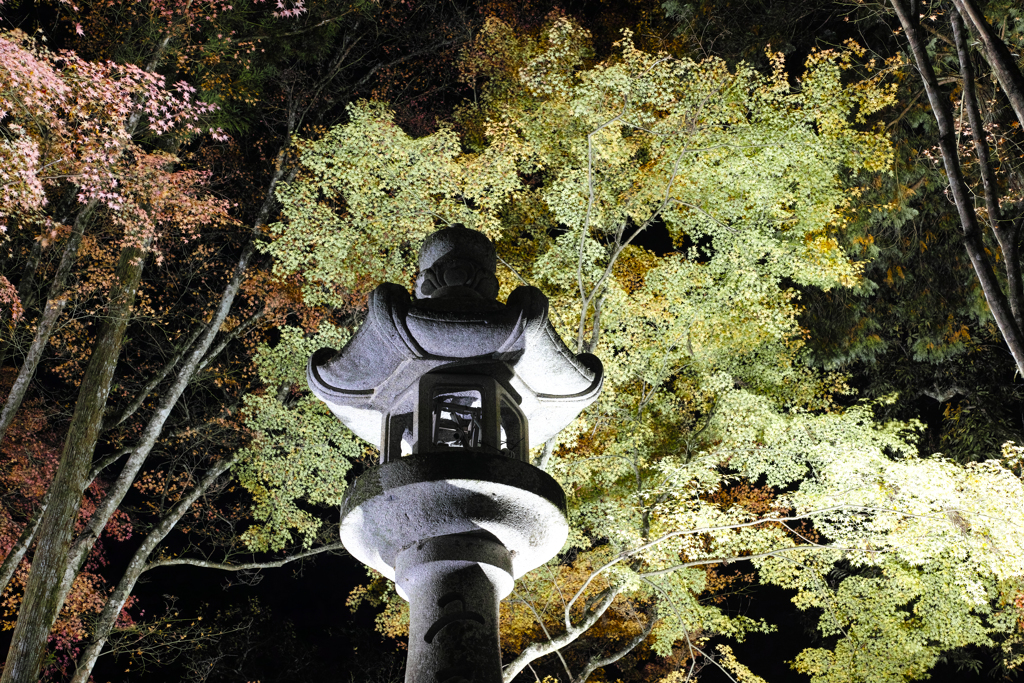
x=401, y=340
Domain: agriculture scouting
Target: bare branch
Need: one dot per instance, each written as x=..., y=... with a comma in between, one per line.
x=17, y=552
x=243, y=566
x=711, y=659
x=154, y=427
x=547, y=634
x=56, y=299
x=514, y=271
x=619, y=244
x=545, y=454
x=536, y=650
x=141, y=396
x=297, y=32
x=238, y=330
x=436, y=47
x=778, y=552
x=137, y=565
x=597, y=663
x=104, y=463
x=1003, y=63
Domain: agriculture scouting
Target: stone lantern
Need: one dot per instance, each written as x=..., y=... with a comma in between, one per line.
x=454, y=387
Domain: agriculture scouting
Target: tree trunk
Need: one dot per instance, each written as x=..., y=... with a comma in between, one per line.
x=151, y=432
x=43, y=598
x=1006, y=232
x=1003, y=64
x=55, y=302
x=972, y=238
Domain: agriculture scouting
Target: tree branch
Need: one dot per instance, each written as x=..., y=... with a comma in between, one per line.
x=297, y=32
x=228, y=337
x=244, y=566
x=56, y=299
x=537, y=650
x=514, y=271
x=23, y=543
x=545, y=455
x=106, y=462
x=547, y=634
x=137, y=565
x=154, y=427
x=151, y=432
x=141, y=396
x=45, y=591
x=598, y=663
x=778, y=552
x=436, y=47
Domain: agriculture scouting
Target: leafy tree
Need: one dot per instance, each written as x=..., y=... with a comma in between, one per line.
x=717, y=439
x=714, y=441
x=132, y=288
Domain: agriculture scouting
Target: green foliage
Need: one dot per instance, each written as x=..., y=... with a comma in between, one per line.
x=299, y=453
x=713, y=439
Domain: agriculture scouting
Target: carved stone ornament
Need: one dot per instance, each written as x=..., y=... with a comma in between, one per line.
x=454, y=387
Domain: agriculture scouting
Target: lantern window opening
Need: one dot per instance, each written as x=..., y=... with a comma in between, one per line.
x=397, y=437
x=459, y=411
x=458, y=419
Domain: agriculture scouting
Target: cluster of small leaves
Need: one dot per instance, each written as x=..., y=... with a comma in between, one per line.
x=65, y=118
x=713, y=439
x=299, y=453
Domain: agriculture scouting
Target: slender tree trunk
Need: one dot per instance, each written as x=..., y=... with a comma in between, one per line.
x=47, y=588
x=64, y=558
x=27, y=283
x=972, y=237
x=55, y=302
x=1006, y=232
x=1003, y=64
x=28, y=534
x=43, y=598
x=151, y=432
x=44, y=328
x=138, y=564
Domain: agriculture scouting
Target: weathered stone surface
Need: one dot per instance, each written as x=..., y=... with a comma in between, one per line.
x=453, y=622
x=394, y=505
x=401, y=340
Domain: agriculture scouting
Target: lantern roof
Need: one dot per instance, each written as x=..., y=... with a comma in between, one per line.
x=455, y=325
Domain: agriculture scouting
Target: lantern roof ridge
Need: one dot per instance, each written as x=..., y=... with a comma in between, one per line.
x=453, y=324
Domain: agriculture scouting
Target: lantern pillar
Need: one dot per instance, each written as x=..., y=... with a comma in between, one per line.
x=458, y=581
